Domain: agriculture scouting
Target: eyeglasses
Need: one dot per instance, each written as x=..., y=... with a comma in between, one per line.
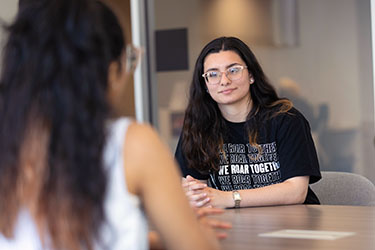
x=233, y=73
x=133, y=55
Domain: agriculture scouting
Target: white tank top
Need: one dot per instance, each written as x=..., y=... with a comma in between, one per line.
x=126, y=225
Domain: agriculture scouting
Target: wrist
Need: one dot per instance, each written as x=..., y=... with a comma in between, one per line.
x=236, y=198
x=229, y=202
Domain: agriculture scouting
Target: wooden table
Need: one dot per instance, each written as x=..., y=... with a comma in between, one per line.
x=248, y=223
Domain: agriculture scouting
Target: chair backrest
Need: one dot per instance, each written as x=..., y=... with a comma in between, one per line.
x=342, y=188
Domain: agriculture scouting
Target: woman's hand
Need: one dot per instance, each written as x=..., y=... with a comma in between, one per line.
x=195, y=192
x=210, y=224
x=200, y=195
x=215, y=224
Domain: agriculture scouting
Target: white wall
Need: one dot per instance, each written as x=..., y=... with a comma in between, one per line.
x=8, y=10
x=333, y=65
x=326, y=59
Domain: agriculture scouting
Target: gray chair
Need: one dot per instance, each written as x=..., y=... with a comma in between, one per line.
x=342, y=188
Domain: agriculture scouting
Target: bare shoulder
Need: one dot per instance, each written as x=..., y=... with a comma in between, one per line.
x=144, y=155
x=141, y=136
x=143, y=140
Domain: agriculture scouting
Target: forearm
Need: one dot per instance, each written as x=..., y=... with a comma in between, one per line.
x=289, y=192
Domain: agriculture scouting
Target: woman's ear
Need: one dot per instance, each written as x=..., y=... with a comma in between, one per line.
x=117, y=82
x=251, y=78
x=114, y=71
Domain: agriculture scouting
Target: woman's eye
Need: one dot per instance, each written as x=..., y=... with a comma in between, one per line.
x=213, y=74
x=234, y=70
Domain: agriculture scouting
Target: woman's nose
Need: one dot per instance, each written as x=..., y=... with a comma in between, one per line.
x=224, y=79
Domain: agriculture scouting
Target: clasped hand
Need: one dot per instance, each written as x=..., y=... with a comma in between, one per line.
x=200, y=195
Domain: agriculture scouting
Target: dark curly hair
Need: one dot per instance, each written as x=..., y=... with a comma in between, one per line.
x=53, y=94
x=204, y=125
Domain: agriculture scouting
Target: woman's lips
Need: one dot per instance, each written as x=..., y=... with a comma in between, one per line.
x=227, y=91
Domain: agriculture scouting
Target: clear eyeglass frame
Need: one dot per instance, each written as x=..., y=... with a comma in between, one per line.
x=227, y=72
x=133, y=55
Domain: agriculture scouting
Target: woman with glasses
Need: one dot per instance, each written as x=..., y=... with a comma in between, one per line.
x=74, y=174
x=241, y=145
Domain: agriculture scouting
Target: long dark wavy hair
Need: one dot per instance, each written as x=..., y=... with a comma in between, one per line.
x=204, y=125
x=53, y=108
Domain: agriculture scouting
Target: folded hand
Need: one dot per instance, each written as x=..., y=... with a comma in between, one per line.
x=200, y=195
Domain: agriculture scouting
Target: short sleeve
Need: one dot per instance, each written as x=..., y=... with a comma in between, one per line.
x=297, y=153
x=181, y=160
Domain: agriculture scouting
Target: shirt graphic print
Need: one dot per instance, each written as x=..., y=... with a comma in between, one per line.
x=243, y=167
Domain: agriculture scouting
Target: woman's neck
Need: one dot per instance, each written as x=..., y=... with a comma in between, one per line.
x=236, y=113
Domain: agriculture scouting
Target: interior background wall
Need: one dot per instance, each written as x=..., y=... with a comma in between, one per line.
x=8, y=10
x=330, y=67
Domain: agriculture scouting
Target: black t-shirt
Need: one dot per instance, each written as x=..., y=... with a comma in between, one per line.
x=287, y=150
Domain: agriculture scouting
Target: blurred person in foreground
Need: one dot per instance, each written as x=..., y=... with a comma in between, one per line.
x=73, y=173
x=251, y=147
